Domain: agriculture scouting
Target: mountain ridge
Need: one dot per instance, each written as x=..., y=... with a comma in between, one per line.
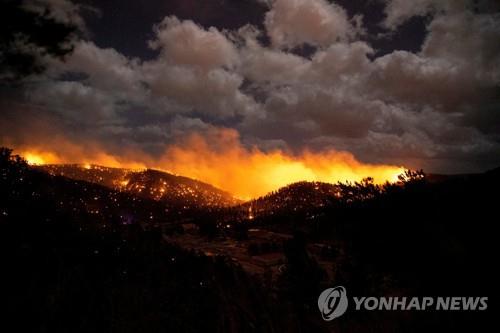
x=149, y=183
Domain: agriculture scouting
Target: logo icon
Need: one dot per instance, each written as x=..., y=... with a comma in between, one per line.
x=332, y=303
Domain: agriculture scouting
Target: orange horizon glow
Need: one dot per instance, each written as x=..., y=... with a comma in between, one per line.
x=246, y=173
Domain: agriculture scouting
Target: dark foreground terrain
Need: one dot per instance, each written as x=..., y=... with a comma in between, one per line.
x=84, y=257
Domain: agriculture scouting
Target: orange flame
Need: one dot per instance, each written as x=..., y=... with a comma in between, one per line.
x=222, y=161
x=249, y=173
x=37, y=158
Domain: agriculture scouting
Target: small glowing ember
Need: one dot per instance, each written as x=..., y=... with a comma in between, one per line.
x=250, y=213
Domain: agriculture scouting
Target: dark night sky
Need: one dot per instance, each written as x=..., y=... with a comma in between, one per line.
x=412, y=83
x=125, y=25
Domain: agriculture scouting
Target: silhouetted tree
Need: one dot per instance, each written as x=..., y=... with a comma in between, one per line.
x=412, y=176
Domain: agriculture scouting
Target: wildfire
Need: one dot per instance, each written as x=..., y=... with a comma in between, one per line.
x=38, y=158
x=248, y=173
x=223, y=161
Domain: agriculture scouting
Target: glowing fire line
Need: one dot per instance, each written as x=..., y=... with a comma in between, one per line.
x=245, y=173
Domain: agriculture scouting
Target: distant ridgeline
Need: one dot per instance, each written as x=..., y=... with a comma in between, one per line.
x=157, y=185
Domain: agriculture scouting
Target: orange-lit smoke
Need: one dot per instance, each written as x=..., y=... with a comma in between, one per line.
x=222, y=161
x=87, y=154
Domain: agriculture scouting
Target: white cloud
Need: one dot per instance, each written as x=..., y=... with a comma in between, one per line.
x=214, y=93
x=107, y=69
x=403, y=77
x=261, y=64
x=460, y=58
x=186, y=43
x=471, y=41
x=292, y=23
x=344, y=63
x=75, y=102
